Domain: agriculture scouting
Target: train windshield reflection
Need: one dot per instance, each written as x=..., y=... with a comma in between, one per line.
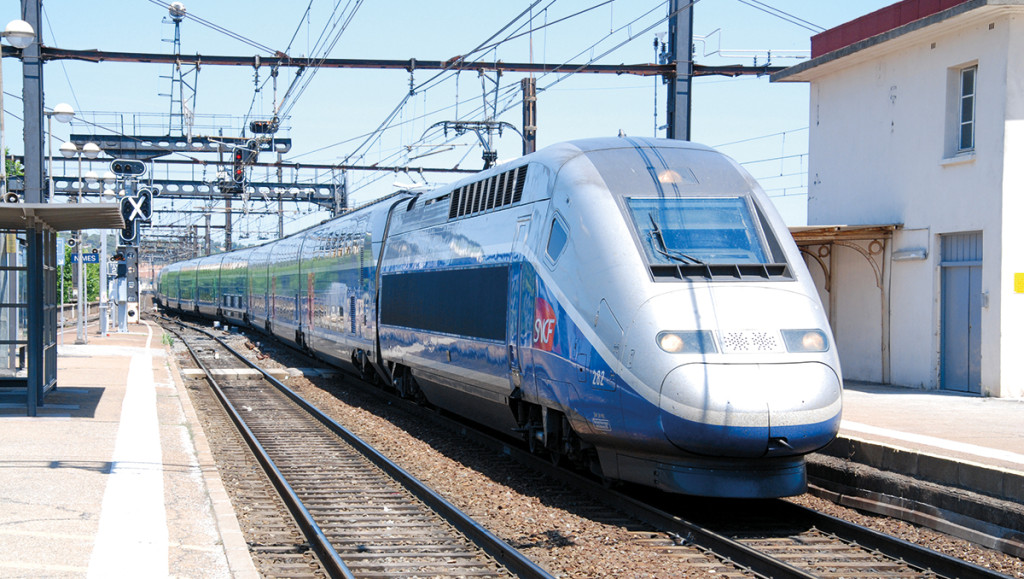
x=694, y=230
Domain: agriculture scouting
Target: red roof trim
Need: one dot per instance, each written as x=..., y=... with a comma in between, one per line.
x=877, y=22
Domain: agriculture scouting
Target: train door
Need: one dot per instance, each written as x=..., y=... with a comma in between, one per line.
x=272, y=311
x=522, y=286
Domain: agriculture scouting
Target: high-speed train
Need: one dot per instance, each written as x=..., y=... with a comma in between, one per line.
x=635, y=306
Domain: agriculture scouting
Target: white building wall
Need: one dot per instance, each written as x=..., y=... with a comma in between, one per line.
x=878, y=136
x=858, y=314
x=1004, y=297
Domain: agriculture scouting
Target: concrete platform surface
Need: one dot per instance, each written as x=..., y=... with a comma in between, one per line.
x=957, y=426
x=962, y=440
x=113, y=478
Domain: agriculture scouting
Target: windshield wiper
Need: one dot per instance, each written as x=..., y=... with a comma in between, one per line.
x=672, y=254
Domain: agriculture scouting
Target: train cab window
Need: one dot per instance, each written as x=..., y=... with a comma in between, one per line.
x=557, y=239
x=699, y=231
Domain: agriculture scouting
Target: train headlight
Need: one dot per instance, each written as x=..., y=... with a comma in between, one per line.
x=805, y=340
x=691, y=342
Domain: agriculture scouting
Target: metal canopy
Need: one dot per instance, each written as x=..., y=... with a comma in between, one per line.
x=61, y=216
x=823, y=234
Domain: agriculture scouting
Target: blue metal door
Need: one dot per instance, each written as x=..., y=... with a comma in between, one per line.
x=961, y=313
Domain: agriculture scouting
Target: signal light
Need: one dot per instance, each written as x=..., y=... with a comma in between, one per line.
x=238, y=169
x=264, y=127
x=128, y=167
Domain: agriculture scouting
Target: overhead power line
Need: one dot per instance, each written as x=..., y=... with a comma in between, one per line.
x=222, y=30
x=782, y=15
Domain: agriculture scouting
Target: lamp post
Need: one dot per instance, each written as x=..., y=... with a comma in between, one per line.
x=90, y=151
x=64, y=113
x=20, y=34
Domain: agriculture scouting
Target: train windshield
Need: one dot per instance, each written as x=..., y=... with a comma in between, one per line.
x=698, y=230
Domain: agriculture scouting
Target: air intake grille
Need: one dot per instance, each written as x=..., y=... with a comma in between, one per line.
x=751, y=341
x=491, y=193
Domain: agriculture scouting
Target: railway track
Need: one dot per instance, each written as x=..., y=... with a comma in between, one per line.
x=767, y=538
x=727, y=538
x=359, y=513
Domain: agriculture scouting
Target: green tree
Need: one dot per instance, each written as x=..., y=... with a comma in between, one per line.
x=14, y=168
x=92, y=278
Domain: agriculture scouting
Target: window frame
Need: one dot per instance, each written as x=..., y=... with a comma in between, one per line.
x=556, y=219
x=961, y=99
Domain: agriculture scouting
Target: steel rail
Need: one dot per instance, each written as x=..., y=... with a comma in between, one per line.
x=731, y=550
x=734, y=551
x=494, y=546
x=329, y=558
x=916, y=555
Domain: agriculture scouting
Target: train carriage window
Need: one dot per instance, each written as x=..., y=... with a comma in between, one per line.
x=557, y=239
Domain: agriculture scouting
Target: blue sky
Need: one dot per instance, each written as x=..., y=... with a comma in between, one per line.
x=762, y=125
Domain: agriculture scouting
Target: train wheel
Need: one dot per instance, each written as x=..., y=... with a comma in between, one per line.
x=557, y=458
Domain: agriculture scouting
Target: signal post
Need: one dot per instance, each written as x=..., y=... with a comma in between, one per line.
x=136, y=207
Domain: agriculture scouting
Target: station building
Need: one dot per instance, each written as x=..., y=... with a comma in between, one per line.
x=917, y=147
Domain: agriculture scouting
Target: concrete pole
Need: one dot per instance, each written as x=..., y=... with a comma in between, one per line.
x=529, y=115
x=3, y=142
x=680, y=47
x=103, y=283
x=80, y=335
x=32, y=88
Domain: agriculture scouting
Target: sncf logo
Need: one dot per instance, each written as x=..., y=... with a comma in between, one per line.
x=543, y=325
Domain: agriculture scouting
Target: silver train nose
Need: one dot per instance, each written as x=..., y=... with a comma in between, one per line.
x=750, y=410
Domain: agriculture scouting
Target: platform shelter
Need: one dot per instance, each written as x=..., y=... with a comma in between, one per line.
x=28, y=290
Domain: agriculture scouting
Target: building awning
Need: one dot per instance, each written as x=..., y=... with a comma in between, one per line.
x=821, y=234
x=61, y=216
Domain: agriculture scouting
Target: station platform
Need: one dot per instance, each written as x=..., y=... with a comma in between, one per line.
x=952, y=462
x=924, y=433
x=113, y=478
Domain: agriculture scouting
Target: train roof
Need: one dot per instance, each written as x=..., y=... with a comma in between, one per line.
x=554, y=156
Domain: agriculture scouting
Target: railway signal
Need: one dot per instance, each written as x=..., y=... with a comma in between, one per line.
x=264, y=127
x=127, y=168
x=130, y=230
x=238, y=165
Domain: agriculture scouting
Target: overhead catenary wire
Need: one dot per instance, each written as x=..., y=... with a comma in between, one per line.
x=64, y=69
x=629, y=39
x=426, y=84
x=778, y=13
x=221, y=29
x=338, y=26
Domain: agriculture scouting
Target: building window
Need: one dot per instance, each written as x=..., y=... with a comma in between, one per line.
x=968, y=84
